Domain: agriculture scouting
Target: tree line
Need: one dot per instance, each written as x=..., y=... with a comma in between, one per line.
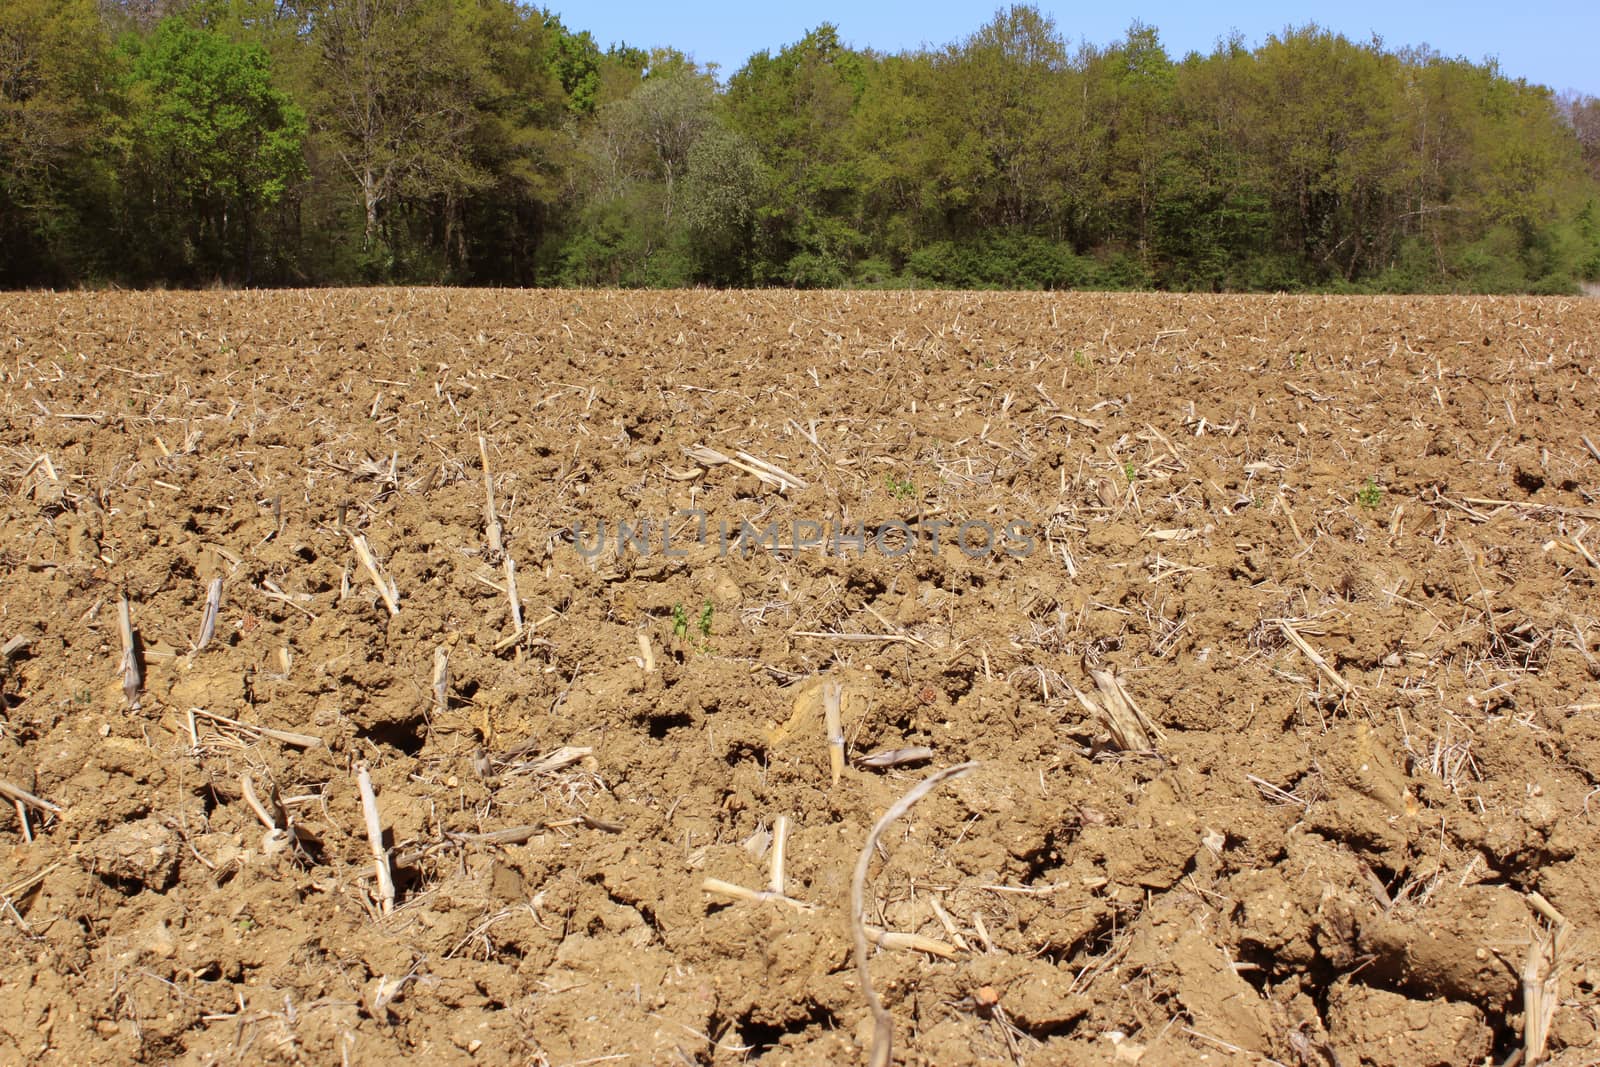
x=314, y=142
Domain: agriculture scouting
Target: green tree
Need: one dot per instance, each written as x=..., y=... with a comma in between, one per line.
x=798, y=109
x=445, y=119
x=1210, y=224
x=997, y=99
x=497, y=229
x=588, y=76
x=485, y=141
x=636, y=158
x=1334, y=172
x=724, y=186
x=1136, y=82
x=58, y=85
x=210, y=143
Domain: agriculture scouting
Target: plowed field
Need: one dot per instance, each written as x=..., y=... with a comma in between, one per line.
x=1270, y=623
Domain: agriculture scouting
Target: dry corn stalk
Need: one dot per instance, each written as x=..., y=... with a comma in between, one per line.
x=492, y=530
x=208, y=621
x=882, y=1022
x=293, y=740
x=1130, y=728
x=780, y=846
x=739, y=892
x=1314, y=656
x=380, y=855
x=441, y=679
x=760, y=468
x=22, y=796
x=132, y=676
x=560, y=759
x=386, y=587
x=894, y=939
x=513, y=596
x=834, y=701
x=832, y=697
x=1541, y=980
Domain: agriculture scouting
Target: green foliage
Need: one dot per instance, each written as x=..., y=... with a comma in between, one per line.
x=796, y=109
x=900, y=488
x=55, y=113
x=875, y=273
x=680, y=621
x=653, y=160
x=1369, y=495
x=211, y=142
x=486, y=141
x=576, y=62
x=1003, y=262
x=205, y=111
x=723, y=188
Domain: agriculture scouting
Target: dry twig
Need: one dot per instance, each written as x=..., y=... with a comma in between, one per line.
x=1315, y=657
x=882, y=1022
x=22, y=796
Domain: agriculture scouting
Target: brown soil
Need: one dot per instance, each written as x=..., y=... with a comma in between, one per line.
x=1316, y=865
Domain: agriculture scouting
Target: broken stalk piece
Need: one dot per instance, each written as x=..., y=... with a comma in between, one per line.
x=780, y=842
x=132, y=676
x=386, y=586
x=285, y=737
x=511, y=595
x=441, y=679
x=895, y=757
x=832, y=696
x=22, y=796
x=380, y=855
x=492, y=530
x=208, y=621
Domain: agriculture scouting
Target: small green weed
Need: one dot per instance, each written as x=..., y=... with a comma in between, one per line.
x=702, y=625
x=1130, y=471
x=901, y=489
x=1369, y=495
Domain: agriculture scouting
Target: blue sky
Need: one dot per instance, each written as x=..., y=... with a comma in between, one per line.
x=1552, y=43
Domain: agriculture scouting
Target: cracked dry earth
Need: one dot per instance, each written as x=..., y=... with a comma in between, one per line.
x=1279, y=667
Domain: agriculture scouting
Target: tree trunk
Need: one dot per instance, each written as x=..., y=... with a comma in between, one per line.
x=370, y=196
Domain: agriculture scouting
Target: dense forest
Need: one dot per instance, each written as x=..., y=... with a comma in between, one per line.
x=313, y=142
